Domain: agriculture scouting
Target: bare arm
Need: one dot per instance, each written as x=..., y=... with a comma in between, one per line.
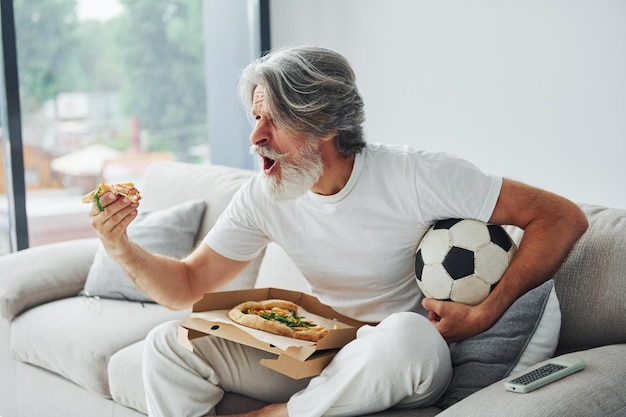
x=552, y=224
x=174, y=283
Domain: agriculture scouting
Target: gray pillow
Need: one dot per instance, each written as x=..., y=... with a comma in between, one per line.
x=488, y=357
x=170, y=232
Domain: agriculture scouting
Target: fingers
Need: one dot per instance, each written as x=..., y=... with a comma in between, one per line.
x=119, y=221
x=434, y=317
x=433, y=306
x=106, y=199
x=454, y=321
x=438, y=317
x=118, y=213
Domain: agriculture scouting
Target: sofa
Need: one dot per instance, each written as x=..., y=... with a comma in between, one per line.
x=66, y=352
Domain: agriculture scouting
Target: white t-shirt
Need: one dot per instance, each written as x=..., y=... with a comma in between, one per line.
x=357, y=248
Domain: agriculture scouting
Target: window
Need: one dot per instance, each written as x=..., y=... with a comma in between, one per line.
x=107, y=87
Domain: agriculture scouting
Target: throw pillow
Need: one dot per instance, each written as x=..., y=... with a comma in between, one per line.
x=169, y=232
x=545, y=339
x=527, y=333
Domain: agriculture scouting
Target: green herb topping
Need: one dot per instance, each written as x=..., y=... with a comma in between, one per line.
x=96, y=198
x=290, y=321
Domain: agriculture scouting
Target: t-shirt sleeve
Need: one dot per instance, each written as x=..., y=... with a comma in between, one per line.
x=451, y=187
x=236, y=234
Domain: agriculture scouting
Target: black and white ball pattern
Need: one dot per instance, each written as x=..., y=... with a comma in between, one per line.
x=462, y=260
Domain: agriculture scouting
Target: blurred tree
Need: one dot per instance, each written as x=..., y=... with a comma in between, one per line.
x=152, y=54
x=161, y=44
x=98, y=57
x=57, y=53
x=46, y=42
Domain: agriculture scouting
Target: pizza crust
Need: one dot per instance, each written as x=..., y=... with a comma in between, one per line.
x=126, y=189
x=238, y=315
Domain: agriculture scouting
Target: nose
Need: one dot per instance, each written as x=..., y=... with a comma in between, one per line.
x=260, y=134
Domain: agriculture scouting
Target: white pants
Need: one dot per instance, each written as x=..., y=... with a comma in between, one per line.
x=402, y=362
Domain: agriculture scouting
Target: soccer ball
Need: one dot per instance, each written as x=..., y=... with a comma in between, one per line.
x=462, y=260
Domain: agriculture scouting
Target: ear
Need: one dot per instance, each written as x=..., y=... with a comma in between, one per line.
x=332, y=135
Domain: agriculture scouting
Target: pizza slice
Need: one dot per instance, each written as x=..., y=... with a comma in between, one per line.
x=126, y=189
x=277, y=317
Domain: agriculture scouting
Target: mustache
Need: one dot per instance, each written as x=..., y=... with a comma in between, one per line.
x=267, y=152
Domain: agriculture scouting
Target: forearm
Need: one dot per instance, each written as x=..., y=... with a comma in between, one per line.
x=165, y=280
x=547, y=241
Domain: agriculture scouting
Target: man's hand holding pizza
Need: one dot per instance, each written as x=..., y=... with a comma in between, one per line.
x=114, y=208
x=111, y=214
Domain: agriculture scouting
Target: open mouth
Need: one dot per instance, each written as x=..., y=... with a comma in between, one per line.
x=268, y=164
x=269, y=158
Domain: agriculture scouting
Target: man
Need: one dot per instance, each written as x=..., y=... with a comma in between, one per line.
x=350, y=215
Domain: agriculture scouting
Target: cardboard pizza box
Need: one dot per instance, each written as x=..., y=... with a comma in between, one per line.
x=294, y=358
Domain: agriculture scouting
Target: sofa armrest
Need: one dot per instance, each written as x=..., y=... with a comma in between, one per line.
x=597, y=390
x=44, y=273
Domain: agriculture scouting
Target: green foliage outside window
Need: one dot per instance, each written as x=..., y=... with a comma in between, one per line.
x=151, y=55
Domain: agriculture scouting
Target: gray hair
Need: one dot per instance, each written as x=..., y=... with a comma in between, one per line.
x=311, y=91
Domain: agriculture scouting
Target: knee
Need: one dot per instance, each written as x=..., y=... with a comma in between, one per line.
x=421, y=347
x=406, y=319
x=159, y=340
x=411, y=328
x=403, y=347
x=407, y=335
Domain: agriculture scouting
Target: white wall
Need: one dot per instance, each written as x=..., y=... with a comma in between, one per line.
x=531, y=89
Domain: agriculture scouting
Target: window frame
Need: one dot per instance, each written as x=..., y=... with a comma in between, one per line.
x=11, y=125
x=12, y=133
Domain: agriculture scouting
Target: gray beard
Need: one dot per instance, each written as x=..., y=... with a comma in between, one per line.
x=299, y=171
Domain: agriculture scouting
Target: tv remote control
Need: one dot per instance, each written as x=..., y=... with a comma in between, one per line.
x=555, y=369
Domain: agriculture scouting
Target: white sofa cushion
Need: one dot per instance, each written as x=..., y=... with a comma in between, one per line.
x=41, y=274
x=167, y=183
x=75, y=337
